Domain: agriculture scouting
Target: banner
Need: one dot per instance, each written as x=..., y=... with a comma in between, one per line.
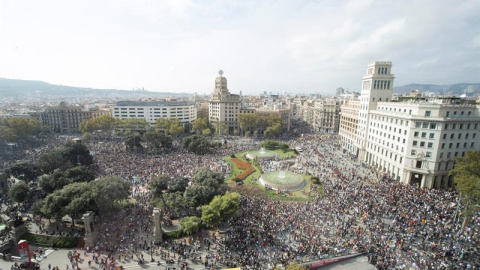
x=24, y=252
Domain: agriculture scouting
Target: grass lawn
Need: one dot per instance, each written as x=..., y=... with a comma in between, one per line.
x=301, y=195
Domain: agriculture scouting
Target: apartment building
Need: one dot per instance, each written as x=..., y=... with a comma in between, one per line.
x=414, y=140
x=184, y=111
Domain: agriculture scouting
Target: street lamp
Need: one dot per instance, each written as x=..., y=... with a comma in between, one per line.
x=151, y=252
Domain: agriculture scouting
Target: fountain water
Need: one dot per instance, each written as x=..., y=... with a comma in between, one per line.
x=262, y=150
x=281, y=174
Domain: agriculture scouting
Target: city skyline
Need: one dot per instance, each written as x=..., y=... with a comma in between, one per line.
x=292, y=46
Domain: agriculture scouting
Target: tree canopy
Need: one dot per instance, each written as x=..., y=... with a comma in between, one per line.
x=19, y=192
x=170, y=126
x=15, y=129
x=197, y=144
x=467, y=181
x=104, y=122
x=220, y=208
x=199, y=125
x=23, y=170
x=157, y=140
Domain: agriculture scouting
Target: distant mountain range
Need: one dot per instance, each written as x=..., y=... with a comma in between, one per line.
x=11, y=88
x=470, y=89
x=24, y=88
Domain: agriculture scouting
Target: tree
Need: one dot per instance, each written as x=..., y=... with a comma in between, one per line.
x=467, y=180
x=247, y=122
x=133, y=141
x=19, y=192
x=206, y=132
x=157, y=186
x=170, y=126
x=178, y=205
x=220, y=209
x=73, y=200
x=199, y=195
x=197, y=144
x=77, y=154
x=52, y=160
x=200, y=124
x=180, y=184
x=23, y=170
x=132, y=124
x=190, y=225
x=20, y=128
x=157, y=140
x=104, y=122
x=108, y=190
x=203, y=176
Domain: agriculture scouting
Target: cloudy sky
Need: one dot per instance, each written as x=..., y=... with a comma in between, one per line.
x=298, y=46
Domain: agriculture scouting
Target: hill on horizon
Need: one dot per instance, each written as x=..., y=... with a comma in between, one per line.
x=16, y=88
x=471, y=89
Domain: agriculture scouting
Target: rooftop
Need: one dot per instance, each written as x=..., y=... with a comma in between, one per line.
x=154, y=103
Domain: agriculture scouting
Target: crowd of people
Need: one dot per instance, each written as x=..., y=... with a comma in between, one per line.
x=398, y=226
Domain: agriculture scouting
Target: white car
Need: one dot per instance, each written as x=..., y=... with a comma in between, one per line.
x=299, y=149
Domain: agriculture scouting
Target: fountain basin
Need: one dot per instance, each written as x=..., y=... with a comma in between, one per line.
x=261, y=153
x=283, y=180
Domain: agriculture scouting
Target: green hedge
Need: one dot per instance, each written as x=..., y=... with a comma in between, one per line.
x=54, y=241
x=172, y=234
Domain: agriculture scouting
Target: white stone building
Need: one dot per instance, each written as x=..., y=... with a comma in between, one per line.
x=184, y=111
x=414, y=140
x=224, y=107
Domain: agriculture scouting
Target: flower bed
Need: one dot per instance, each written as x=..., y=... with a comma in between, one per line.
x=245, y=166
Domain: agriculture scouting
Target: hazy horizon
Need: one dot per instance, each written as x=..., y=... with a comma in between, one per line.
x=274, y=46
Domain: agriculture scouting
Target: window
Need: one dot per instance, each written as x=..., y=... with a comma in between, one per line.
x=430, y=145
x=414, y=143
x=446, y=126
x=422, y=144
x=443, y=145
x=418, y=124
x=466, y=135
x=416, y=134
x=441, y=155
x=432, y=135
x=459, y=135
x=433, y=125
x=448, y=114
x=429, y=154
x=444, y=136
x=472, y=144
x=427, y=113
x=424, y=134
x=414, y=152
x=419, y=164
x=425, y=124
x=452, y=136
x=450, y=145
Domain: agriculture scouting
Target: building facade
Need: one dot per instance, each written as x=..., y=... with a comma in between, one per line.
x=67, y=119
x=224, y=107
x=184, y=111
x=413, y=140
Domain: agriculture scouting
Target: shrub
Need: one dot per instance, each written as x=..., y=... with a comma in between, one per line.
x=54, y=241
x=232, y=155
x=245, y=166
x=270, y=144
x=172, y=234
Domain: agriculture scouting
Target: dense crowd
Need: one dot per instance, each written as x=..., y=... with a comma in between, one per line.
x=398, y=226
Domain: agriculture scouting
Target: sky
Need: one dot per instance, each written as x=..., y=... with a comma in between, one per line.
x=298, y=46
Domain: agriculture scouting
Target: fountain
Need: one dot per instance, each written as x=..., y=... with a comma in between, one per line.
x=261, y=153
x=283, y=180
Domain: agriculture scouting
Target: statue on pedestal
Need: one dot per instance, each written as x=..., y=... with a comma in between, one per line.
x=157, y=230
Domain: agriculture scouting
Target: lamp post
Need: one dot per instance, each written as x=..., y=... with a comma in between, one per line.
x=151, y=252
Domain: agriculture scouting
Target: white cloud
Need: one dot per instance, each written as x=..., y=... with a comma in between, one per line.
x=285, y=45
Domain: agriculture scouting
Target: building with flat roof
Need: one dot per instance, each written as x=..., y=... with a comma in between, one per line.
x=184, y=111
x=66, y=118
x=414, y=140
